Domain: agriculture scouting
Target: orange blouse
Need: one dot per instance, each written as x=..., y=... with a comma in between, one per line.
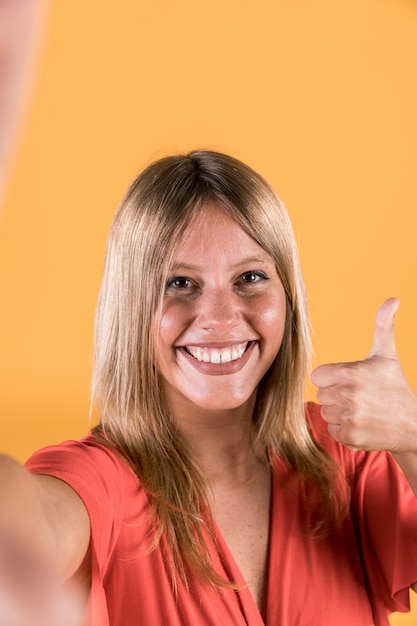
x=357, y=575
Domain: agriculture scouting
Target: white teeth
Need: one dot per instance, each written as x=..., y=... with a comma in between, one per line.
x=217, y=355
x=226, y=356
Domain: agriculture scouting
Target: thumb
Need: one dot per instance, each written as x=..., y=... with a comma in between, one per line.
x=384, y=339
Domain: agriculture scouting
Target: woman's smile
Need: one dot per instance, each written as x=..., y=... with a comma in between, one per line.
x=223, y=315
x=218, y=361
x=217, y=355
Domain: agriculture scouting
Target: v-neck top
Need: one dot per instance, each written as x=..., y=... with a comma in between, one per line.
x=357, y=575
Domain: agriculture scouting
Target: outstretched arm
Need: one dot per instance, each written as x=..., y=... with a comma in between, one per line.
x=44, y=536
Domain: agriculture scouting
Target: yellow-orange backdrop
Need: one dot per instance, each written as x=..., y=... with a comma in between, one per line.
x=320, y=97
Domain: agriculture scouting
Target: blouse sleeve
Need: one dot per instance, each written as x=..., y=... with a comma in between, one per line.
x=384, y=510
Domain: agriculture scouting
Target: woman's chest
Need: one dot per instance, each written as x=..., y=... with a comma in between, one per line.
x=243, y=520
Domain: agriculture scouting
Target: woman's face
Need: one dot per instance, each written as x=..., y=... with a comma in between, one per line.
x=223, y=317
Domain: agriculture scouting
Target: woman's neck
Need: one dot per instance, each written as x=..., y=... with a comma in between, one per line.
x=221, y=442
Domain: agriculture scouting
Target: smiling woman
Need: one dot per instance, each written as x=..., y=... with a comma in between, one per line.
x=210, y=492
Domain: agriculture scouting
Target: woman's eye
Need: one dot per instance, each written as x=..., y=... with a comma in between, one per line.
x=253, y=277
x=179, y=282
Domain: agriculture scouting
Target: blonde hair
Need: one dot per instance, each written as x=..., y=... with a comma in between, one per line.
x=147, y=226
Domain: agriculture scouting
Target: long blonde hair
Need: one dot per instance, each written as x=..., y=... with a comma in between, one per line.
x=146, y=228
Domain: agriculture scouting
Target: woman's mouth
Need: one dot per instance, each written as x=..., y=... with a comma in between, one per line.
x=218, y=355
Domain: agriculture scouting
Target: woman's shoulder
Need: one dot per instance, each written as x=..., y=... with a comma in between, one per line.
x=88, y=453
x=94, y=469
x=112, y=493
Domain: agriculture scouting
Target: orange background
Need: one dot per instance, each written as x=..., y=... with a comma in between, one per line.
x=320, y=97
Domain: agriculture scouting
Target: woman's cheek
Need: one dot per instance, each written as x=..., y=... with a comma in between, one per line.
x=273, y=313
x=174, y=320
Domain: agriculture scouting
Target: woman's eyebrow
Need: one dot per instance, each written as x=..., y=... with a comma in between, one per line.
x=183, y=266
x=259, y=258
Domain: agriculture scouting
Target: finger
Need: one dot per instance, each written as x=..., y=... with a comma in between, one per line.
x=331, y=414
x=329, y=395
x=384, y=338
x=326, y=375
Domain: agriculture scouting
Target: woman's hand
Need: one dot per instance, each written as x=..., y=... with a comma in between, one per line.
x=37, y=606
x=368, y=404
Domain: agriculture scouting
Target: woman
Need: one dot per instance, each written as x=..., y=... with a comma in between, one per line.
x=209, y=493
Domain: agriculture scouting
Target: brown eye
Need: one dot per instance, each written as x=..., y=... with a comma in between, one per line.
x=253, y=277
x=179, y=282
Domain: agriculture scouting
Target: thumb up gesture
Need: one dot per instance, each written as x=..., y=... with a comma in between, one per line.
x=368, y=404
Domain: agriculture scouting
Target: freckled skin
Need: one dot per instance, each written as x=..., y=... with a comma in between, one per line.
x=223, y=290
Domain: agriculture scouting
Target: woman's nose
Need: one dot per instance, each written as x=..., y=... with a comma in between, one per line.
x=218, y=311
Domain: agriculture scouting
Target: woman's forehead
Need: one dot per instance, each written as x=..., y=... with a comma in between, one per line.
x=212, y=232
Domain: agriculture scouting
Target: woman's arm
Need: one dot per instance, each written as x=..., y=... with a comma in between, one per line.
x=44, y=537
